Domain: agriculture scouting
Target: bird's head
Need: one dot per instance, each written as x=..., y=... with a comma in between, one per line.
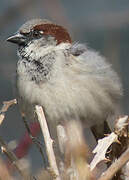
x=42, y=31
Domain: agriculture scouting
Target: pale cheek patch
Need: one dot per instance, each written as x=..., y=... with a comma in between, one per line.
x=35, y=50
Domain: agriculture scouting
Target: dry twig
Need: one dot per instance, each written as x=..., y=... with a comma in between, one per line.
x=119, y=163
x=6, y=105
x=62, y=138
x=4, y=171
x=48, y=142
x=101, y=149
x=12, y=158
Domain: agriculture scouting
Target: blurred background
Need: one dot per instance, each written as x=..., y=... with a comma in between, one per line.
x=102, y=24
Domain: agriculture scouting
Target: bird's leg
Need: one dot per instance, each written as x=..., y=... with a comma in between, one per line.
x=100, y=130
x=36, y=141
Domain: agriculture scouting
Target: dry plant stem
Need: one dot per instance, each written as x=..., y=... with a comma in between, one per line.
x=11, y=156
x=48, y=142
x=110, y=172
x=6, y=105
x=62, y=138
x=35, y=140
x=101, y=149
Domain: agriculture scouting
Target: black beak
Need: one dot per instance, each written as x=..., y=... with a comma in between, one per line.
x=17, y=38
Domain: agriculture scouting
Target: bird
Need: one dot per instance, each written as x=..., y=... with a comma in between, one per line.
x=68, y=79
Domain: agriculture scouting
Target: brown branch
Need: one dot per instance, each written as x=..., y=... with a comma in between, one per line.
x=12, y=158
x=119, y=163
x=6, y=105
x=4, y=171
x=48, y=143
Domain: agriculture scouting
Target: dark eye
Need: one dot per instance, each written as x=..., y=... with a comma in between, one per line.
x=36, y=33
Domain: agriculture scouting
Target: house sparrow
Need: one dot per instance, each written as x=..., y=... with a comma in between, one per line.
x=69, y=80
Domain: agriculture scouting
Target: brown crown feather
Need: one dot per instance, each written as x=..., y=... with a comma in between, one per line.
x=60, y=33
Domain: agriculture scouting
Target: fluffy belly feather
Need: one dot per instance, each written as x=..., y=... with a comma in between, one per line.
x=63, y=100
